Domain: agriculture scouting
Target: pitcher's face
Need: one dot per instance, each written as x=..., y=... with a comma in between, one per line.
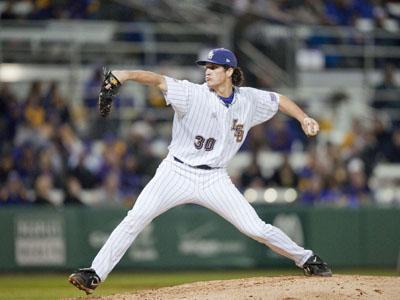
x=216, y=75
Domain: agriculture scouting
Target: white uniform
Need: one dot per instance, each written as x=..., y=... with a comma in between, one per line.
x=207, y=134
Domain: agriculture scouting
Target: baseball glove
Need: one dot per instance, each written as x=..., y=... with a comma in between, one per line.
x=109, y=89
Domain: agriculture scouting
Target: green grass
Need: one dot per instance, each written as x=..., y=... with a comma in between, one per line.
x=55, y=286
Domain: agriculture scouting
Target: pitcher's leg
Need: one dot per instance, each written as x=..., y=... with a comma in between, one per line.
x=163, y=192
x=224, y=199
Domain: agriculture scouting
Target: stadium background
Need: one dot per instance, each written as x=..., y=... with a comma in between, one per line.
x=67, y=176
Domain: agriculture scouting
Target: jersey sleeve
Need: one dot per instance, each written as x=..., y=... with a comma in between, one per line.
x=266, y=106
x=177, y=95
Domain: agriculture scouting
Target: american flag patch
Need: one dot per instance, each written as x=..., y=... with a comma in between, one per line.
x=273, y=97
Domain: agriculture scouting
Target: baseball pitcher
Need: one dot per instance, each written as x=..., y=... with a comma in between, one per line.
x=211, y=122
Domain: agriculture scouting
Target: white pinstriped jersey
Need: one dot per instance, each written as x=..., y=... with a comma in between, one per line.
x=207, y=132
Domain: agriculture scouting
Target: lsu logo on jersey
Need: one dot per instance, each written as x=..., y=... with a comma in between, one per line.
x=238, y=130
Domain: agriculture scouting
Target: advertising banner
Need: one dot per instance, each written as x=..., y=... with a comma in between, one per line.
x=194, y=237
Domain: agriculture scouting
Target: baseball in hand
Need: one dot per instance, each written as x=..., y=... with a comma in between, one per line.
x=310, y=126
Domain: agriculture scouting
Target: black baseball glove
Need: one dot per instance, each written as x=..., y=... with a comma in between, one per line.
x=108, y=90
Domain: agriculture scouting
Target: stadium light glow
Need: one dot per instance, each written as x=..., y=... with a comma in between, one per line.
x=251, y=195
x=11, y=72
x=290, y=195
x=270, y=195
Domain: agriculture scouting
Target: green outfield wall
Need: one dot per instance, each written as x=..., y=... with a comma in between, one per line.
x=193, y=237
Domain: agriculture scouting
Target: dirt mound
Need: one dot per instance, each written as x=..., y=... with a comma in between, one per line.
x=282, y=288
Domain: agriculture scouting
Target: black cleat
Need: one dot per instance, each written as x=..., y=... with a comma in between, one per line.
x=85, y=279
x=315, y=266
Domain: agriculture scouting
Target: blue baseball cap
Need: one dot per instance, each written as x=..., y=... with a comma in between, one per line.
x=220, y=56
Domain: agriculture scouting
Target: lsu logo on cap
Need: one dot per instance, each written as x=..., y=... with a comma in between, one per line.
x=220, y=56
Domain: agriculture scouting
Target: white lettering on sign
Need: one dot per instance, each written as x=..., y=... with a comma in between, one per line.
x=39, y=242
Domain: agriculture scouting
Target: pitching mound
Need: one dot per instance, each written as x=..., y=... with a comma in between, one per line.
x=284, y=288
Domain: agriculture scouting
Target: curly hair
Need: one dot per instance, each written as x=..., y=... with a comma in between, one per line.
x=237, y=76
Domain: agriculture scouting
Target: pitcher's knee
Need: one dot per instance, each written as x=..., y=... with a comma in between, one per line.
x=135, y=219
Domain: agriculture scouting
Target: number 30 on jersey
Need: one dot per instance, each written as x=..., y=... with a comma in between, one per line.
x=208, y=144
x=201, y=142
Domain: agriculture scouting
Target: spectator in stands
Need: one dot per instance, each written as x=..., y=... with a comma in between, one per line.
x=392, y=9
x=357, y=190
x=72, y=191
x=81, y=172
x=332, y=158
x=340, y=174
x=284, y=175
x=72, y=145
x=364, y=9
x=42, y=10
x=93, y=10
x=373, y=150
x=92, y=88
x=312, y=166
x=139, y=137
x=113, y=152
x=13, y=191
x=387, y=92
x=381, y=131
x=57, y=111
x=34, y=112
x=8, y=11
x=355, y=139
x=310, y=190
x=74, y=153
x=26, y=163
x=109, y=192
x=340, y=12
x=256, y=140
x=83, y=9
x=393, y=151
x=47, y=164
x=332, y=193
x=43, y=190
x=10, y=113
x=130, y=178
x=336, y=116
x=6, y=163
x=311, y=183
x=279, y=135
x=252, y=176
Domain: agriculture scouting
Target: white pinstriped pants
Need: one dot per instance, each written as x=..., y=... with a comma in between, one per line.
x=174, y=184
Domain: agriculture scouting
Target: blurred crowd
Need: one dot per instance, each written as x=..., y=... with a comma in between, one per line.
x=334, y=174
x=260, y=23
x=48, y=157
x=56, y=153
x=324, y=12
x=340, y=164
x=48, y=9
x=253, y=20
x=43, y=151
x=319, y=12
